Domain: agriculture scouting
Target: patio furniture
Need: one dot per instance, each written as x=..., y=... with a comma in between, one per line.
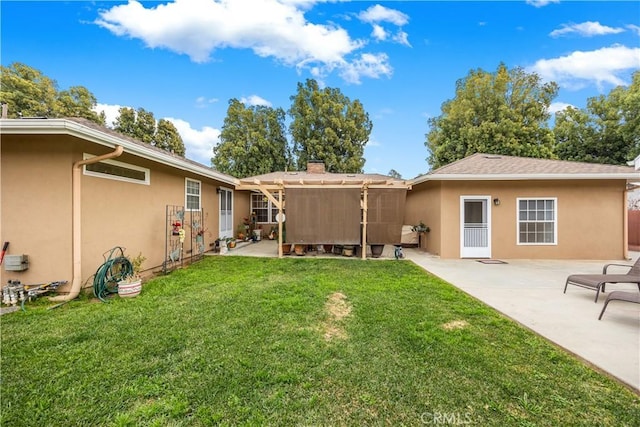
x=597, y=281
x=620, y=296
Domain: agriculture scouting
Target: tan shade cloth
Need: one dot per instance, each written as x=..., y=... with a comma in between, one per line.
x=385, y=215
x=323, y=215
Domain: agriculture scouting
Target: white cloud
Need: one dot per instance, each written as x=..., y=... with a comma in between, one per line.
x=270, y=28
x=110, y=111
x=379, y=13
x=634, y=28
x=579, y=68
x=541, y=3
x=559, y=106
x=585, y=29
x=402, y=38
x=255, y=100
x=203, y=102
x=379, y=33
x=368, y=65
x=198, y=143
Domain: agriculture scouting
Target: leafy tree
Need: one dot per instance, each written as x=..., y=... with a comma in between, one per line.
x=252, y=141
x=606, y=131
x=29, y=93
x=394, y=174
x=142, y=126
x=326, y=125
x=505, y=112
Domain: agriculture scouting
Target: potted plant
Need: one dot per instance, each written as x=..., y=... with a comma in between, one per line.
x=131, y=284
x=241, y=231
x=420, y=228
x=231, y=242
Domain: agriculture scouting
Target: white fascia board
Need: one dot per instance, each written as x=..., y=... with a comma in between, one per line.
x=62, y=126
x=525, y=177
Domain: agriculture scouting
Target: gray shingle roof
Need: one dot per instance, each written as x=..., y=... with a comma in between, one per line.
x=490, y=166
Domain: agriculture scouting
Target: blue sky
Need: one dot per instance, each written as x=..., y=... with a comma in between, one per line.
x=183, y=60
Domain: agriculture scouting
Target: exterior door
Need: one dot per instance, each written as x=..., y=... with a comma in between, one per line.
x=226, y=213
x=475, y=227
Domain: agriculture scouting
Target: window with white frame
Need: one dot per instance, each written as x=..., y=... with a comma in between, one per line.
x=265, y=210
x=192, y=194
x=114, y=169
x=537, y=221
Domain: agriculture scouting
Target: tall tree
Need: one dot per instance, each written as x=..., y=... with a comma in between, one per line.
x=142, y=126
x=606, y=131
x=326, y=125
x=252, y=141
x=29, y=93
x=505, y=112
x=168, y=138
x=394, y=174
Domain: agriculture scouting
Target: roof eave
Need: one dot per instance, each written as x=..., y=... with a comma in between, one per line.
x=62, y=126
x=524, y=177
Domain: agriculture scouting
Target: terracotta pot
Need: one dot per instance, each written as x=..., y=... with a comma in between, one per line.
x=286, y=248
x=327, y=248
x=300, y=249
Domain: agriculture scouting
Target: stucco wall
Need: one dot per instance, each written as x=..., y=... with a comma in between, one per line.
x=36, y=208
x=423, y=204
x=590, y=217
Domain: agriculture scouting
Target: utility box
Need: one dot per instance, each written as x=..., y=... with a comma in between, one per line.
x=16, y=262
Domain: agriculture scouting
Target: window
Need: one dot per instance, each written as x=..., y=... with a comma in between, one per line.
x=113, y=169
x=265, y=210
x=537, y=221
x=192, y=194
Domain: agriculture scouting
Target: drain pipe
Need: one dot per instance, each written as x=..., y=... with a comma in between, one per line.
x=75, y=226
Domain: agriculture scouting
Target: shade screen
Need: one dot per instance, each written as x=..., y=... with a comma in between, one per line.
x=385, y=215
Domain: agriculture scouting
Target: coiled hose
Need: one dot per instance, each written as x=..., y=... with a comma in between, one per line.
x=117, y=267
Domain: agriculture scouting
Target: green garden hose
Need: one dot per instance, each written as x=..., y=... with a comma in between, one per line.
x=116, y=268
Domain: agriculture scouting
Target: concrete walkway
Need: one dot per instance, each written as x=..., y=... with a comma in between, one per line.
x=530, y=292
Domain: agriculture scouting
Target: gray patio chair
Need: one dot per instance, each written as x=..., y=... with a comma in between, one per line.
x=597, y=281
x=620, y=296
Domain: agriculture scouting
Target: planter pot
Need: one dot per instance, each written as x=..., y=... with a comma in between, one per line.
x=223, y=249
x=327, y=248
x=376, y=250
x=347, y=250
x=337, y=249
x=128, y=289
x=257, y=233
x=286, y=248
x=300, y=249
x=231, y=244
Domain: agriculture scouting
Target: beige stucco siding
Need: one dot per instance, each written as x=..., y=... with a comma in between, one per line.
x=423, y=204
x=35, y=215
x=589, y=224
x=36, y=207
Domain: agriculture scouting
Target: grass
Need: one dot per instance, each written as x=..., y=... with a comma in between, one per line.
x=254, y=341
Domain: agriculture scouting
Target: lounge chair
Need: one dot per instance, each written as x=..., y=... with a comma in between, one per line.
x=598, y=281
x=620, y=296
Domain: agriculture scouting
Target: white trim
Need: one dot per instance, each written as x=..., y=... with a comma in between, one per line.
x=555, y=222
x=72, y=128
x=186, y=194
x=228, y=232
x=482, y=252
x=147, y=172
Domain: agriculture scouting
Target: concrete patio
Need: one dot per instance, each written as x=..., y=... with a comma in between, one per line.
x=530, y=292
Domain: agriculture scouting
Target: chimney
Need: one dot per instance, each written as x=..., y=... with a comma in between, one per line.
x=5, y=110
x=315, y=167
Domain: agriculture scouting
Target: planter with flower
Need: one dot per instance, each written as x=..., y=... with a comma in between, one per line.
x=131, y=285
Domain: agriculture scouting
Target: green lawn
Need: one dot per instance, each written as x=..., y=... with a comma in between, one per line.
x=295, y=341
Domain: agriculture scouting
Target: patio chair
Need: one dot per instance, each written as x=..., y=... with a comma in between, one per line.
x=620, y=296
x=597, y=281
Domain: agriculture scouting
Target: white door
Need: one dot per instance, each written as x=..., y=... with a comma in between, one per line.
x=226, y=213
x=475, y=227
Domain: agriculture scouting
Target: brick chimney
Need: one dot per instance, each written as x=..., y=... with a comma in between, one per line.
x=315, y=166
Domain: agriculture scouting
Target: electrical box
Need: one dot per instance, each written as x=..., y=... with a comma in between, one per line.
x=16, y=262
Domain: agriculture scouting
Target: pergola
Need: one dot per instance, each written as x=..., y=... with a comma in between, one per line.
x=348, y=209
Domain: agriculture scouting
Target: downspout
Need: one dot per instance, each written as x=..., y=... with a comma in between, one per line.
x=625, y=224
x=76, y=222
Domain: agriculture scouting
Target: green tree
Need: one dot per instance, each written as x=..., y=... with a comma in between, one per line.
x=168, y=138
x=29, y=93
x=394, y=174
x=326, y=125
x=606, y=131
x=142, y=126
x=505, y=112
x=252, y=141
